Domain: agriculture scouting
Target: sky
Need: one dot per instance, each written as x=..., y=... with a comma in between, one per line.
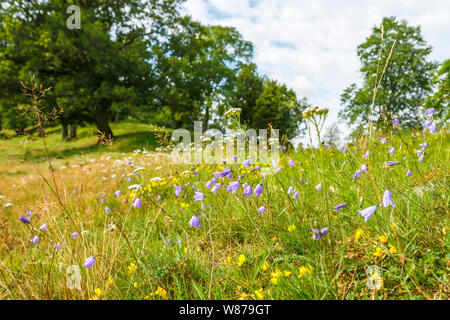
x=311, y=45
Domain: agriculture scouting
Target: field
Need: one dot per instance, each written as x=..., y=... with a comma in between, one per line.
x=150, y=242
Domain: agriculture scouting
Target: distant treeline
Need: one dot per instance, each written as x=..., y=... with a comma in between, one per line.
x=148, y=61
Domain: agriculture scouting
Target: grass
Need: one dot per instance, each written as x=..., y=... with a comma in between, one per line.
x=152, y=252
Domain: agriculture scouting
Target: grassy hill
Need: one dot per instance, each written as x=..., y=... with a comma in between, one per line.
x=311, y=242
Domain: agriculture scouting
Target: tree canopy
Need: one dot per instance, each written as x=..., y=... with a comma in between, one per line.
x=406, y=81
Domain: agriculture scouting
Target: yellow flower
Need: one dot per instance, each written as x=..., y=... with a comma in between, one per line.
x=275, y=276
x=274, y=238
x=98, y=292
x=228, y=260
x=291, y=228
x=359, y=233
x=184, y=205
x=392, y=249
x=287, y=273
x=110, y=281
x=132, y=268
x=259, y=294
x=378, y=253
x=161, y=292
x=241, y=260
x=305, y=270
x=383, y=239
x=265, y=266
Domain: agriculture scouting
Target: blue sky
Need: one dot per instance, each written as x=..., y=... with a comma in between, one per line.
x=311, y=45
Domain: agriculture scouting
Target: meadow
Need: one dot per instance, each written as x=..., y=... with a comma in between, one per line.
x=122, y=221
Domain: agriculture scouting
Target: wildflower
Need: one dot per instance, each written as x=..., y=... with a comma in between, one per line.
x=158, y=198
x=216, y=187
x=57, y=246
x=342, y=149
x=161, y=292
x=261, y=210
x=431, y=126
x=89, y=262
x=265, y=266
x=286, y=273
x=35, y=239
x=395, y=122
x=305, y=270
x=199, y=196
x=291, y=162
x=357, y=174
x=241, y=260
x=75, y=235
x=340, y=206
x=383, y=239
x=295, y=196
x=108, y=210
x=368, y=212
x=421, y=158
x=378, y=252
x=275, y=276
x=110, y=281
x=318, y=235
x=233, y=186
x=137, y=203
x=117, y=193
x=24, y=220
x=392, y=163
x=258, y=190
x=291, y=228
x=225, y=172
x=195, y=222
x=366, y=155
x=259, y=294
x=318, y=187
x=392, y=150
x=363, y=168
x=248, y=191
x=419, y=152
x=43, y=227
x=430, y=112
x=178, y=190
x=409, y=173
x=246, y=163
x=387, y=199
x=132, y=268
x=290, y=190
x=358, y=234
x=209, y=184
x=383, y=140
x=423, y=145
x=392, y=249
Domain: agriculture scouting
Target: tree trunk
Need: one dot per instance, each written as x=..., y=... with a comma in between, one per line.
x=65, y=133
x=104, y=131
x=73, y=132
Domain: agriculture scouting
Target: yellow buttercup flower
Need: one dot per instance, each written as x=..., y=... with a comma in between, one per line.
x=241, y=260
x=287, y=273
x=265, y=266
x=383, y=239
x=305, y=270
x=392, y=249
x=259, y=294
x=161, y=292
x=378, y=253
x=275, y=276
x=358, y=234
x=291, y=228
x=132, y=268
x=98, y=292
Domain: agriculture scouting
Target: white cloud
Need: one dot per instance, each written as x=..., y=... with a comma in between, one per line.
x=311, y=45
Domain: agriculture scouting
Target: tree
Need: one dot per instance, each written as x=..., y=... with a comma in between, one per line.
x=96, y=70
x=280, y=107
x=405, y=83
x=440, y=99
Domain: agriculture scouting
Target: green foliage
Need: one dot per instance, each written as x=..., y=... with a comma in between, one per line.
x=440, y=99
x=405, y=83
